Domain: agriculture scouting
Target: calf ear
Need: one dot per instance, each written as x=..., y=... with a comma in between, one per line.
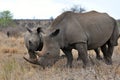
x=55, y=33
x=39, y=29
x=30, y=43
x=29, y=30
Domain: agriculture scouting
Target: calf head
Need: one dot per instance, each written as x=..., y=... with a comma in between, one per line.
x=33, y=41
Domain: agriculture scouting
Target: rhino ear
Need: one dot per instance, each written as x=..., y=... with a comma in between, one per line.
x=29, y=30
x=55, y=33
x=39, y=29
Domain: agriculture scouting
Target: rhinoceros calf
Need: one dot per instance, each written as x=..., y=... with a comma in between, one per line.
x=33, y=42
x=80, y=31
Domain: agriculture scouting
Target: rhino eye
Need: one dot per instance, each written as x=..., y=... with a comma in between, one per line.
x=48, y=53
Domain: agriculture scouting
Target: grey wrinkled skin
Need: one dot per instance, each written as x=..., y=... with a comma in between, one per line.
x=80, y=31
x=33, y=41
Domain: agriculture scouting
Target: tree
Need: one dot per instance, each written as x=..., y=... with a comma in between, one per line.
x=76, y=8
x=6, y=18
x=51, y=18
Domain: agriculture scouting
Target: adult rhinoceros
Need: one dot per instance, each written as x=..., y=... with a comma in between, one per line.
x=81, y=31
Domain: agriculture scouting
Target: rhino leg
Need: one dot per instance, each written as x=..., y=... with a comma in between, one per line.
x=98, y=54
x=79, y=58
x=109, y=53
x=104, y=50
x=107, y=59
x=68, y=53
x=82, y=50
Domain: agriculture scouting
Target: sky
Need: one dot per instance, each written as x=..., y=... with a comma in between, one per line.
x=45, y=9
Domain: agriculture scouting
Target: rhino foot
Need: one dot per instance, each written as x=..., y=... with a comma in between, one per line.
x=67, y=66
x=108, y=61
x=99, y=58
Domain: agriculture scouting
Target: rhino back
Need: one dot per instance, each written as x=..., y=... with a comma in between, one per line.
x=98, y=28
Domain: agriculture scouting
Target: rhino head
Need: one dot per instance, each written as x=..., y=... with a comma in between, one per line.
x=50, y=51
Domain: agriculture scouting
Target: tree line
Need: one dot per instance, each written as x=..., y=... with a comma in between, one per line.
x=6, y=17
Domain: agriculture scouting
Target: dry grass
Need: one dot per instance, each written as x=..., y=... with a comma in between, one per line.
x=11, y=45
x=14, y=67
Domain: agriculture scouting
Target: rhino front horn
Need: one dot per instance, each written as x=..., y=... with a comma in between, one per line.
x=33, y=61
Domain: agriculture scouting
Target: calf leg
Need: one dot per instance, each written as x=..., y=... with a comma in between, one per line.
x=82, y=51
x=69, y=56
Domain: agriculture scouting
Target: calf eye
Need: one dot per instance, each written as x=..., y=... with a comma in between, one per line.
x=30, y=43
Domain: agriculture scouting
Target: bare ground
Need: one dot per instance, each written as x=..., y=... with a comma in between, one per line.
x=14, y=67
